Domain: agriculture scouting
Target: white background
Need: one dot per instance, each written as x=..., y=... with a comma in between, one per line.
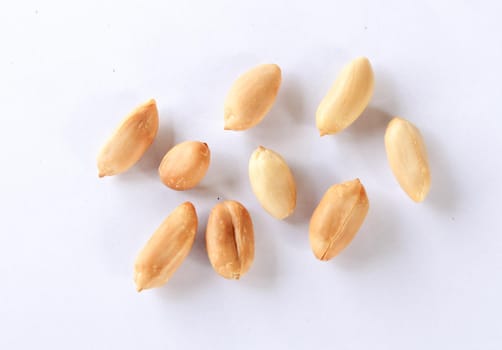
x=417, y=276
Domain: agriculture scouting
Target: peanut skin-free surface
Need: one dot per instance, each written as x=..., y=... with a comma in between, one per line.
x=347, y=98
x=130, y=140
x=337, y=218
x=230, y=239
x=421, y=276
x=408, y=158
x=272, y=182
x=167, y=248
x=185, y=165
x=251, y=97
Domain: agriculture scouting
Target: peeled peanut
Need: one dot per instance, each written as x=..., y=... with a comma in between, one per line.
x=347, y=98
x=337, y=218
x=130, y=140
x=230, y=239
x=167, y=248
x=251, y=97
x=407, y=158
x=185, y=165
x=272, y=182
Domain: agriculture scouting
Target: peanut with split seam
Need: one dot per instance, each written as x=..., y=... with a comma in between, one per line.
x=230, y=239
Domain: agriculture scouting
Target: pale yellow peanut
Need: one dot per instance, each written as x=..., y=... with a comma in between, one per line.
x=272, y=182
x=130, y=140
x=337, y=218
x=185, y=165
x=251, y=97
x=407, y=158
x=230, y=239
x=167, y=248
x=347, y=98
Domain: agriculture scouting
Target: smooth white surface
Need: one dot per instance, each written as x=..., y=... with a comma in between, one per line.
x=424, y=276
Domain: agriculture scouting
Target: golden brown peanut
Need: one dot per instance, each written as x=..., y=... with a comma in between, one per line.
x=272, y=182
x=130, y=140
x=408, y=158
x=230, y=239
x=347, y=98
x=185, y=165
x=337, y=218
x=251, y=97
x=167, y=248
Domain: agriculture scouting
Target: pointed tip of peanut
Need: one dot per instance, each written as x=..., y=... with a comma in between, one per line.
x=188, y=205
x=362, y=58
x=227, y=120
x=139, y=281
x=323, y=257
x=101, y=174
x=320, y=253
x=284, y=215
x=328, y=132
x=419, y=197
x=275, y=67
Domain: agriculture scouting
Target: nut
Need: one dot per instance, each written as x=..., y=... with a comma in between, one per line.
x=184, y=166
x=272, y=182
x=408, y=158
x=337, y=218
x=130, y=140
x=347, y=98
x=230, y=239
x=251, y=97
x=167, y=248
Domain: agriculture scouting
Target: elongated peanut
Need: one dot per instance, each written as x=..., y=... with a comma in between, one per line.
x=167, y=248
x=347, y=98
x=272, y=182
x=251, y=97
x=230, y=239
x=337, y=218
x=130, y=140
x=407, y=158
x=185, y=165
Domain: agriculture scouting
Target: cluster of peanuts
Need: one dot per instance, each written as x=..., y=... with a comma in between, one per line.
x=229, y=233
